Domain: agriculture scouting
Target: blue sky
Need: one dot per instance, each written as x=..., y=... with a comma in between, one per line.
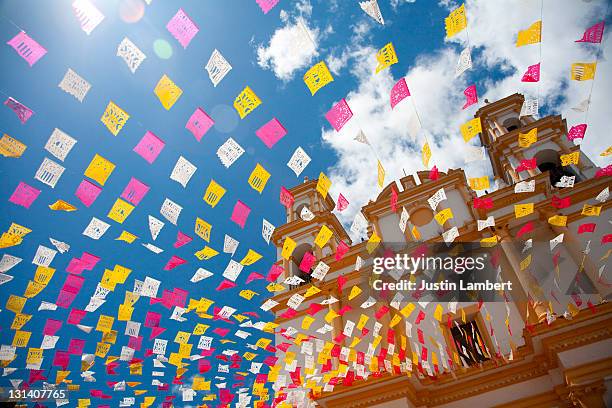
x=346, y=38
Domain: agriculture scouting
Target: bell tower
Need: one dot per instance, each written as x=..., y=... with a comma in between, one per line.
x=514, y=141
x=307, y=213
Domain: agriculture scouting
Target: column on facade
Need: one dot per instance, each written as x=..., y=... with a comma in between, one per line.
x=588, y=395
x=513, y=258
x=573, y=246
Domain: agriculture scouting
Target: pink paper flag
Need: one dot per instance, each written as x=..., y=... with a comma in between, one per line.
x=135, y=191
x=471, y=96
x=149, y=147
x=75, y=266
x=27, y=48
x=266, y=5
x=240, y=213
x=577, y=132
x=60, y=359
x=135, y=343
x=307, y=261
x=271, y=132
x=274, y=272
x=182, y=28
x=76, y=346
x=90, y=260
x=156, y=331
x=399, y=92
x=75, y=317
x=532, y=74
x=342, y=203
x=226, y=284
x=24, y=195
x=174, y=262
x=182, y=239
x=286, y=198
x=199, y=123
x=87, y=192
x=593, y=34
x=52, y=325
x=254, y=276
x=23, y=112
x=341, y=250
x=152, y=319
x=339, y=114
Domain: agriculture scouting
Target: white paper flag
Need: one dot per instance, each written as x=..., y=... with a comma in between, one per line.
x=603, y=196
x=299, y=160
x=371, y=8
x=60, y=144
x=530, y=107
x=217, y=67
x=464, y=63
x=61, y=246
x=474, y=153
x=229, y=152
x=436, y=199
x=556, y=241
x=75, y=85
x=403, y=220
x=229, y=245
x=359, y=223
x=361, y=138
x=131, y=54
x=49, y=172
x=489, y=222
x=450, y=235
x=170, y=210
x=96, y=228
x=232, y=270
x=525, y=187
x=153, y=248
x=582, y=106
x=320, y=271
x=88, y=15
x=8, y=261
x=155, y=226
x=566, y=182
x=183, y=170
x=306, y=214
x=200, y=274
x=267, y=229
x=44, y=256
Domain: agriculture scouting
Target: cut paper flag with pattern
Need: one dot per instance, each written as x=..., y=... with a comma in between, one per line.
x=74, y=85
x=266, y=5
x=532, y=74
x=271, y=132
x=317, y=77
x=371, y=8
x=199, y=123
x=114, y=118
x=182, y=28
x=217, y=67
x=339, y=115
x=131, y=54
x=23, y=112
x=456, y=21
x=246, y=102
x=593, y=34
x=167, y=92
x=399, y=92
x=583, y=71
x=471, y=96
x=531, y=35
x=27, y=48
x=87, y=14
x=386, y=57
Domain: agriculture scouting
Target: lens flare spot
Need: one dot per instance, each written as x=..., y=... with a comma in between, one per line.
x=131, y=11
x=162, y=48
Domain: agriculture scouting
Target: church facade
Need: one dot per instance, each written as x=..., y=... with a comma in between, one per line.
x=545, y=343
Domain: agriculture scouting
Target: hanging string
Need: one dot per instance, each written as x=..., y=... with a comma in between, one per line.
x=540, y=49
x=599, y=52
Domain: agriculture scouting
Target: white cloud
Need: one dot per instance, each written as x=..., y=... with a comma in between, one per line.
x=396, y=3
x=291, y=47
x=438, y=95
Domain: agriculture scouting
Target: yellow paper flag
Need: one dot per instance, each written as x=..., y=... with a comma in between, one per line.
x=386, y=57
x=317, y=77
x=381, y=175
x=61, y=205
x=470, y=129
x=323, y=184
x=532, y=35
x=99, y=169
x=246, y=102
x=583, y=71
x=258, y=178
x=288, y=248
x=213, y=193
x=456, y=21
x=114, y=118
x=521, y=210
x=529, y=138
x=167, y=92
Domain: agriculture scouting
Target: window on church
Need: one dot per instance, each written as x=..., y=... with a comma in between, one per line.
x=469, y=343
x=512, y=124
